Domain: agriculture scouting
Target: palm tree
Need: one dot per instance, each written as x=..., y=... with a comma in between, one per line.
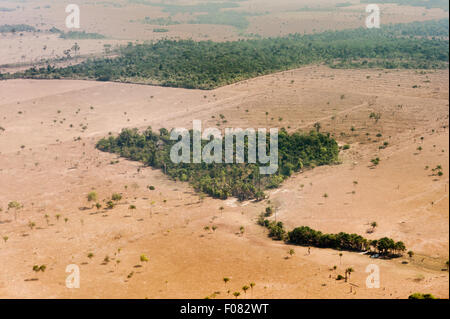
x=245, y=288
x=75, y=48
x=236, y=294
x=348, y=271
x=252, y=284
x=340, y=258
x=225, y=280
x=317, y=126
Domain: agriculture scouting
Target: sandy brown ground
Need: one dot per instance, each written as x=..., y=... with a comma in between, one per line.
x=45, y=168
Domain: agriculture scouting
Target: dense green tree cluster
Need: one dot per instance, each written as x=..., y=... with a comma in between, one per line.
x=309, y=237
x=222, y=180
x=306, y=236
x=207, y=64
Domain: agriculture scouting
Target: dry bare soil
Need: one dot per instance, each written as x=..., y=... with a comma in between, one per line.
x=48, y=163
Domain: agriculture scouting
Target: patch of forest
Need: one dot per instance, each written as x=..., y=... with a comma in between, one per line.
x=207, y=64
x=306, y=236
x=222, y=180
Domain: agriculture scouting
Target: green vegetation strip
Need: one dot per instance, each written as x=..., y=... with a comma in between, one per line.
x=429, y=4
x=221, y=180
x=207, y=64
x=16, y=28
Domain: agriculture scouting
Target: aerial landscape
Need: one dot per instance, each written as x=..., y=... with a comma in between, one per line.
x=92, y=204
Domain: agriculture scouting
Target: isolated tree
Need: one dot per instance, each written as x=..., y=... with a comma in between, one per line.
x=16, y=206
x=110, y=204
x=75, y=48
x=245, y=288
x=348, y=271
x=410, y=254
x=252, y=284
x=317, y=126
x=236, y=294
x=67, y=53
x=373, y=225
x=116, y=197
x=340, y=258
x=291, y=252
x=92, y=196
x=225, y=280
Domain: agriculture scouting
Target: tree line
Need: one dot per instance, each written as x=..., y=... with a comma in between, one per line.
x=306, y=236
x=207, y=64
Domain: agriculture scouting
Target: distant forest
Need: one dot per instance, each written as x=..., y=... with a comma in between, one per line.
x=207, y=64
x=16, y=28
x=429, y=4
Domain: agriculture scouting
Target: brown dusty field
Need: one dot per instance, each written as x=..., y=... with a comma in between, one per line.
x=45, y=167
